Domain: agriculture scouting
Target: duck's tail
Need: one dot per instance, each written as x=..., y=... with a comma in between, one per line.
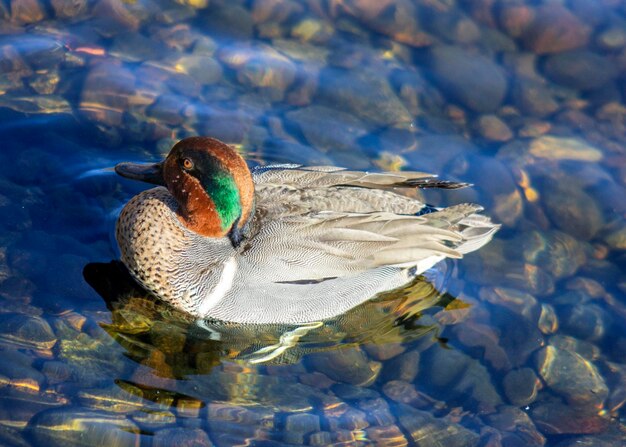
x=475, y=229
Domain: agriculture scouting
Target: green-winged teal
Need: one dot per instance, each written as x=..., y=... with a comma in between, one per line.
x=282, y=243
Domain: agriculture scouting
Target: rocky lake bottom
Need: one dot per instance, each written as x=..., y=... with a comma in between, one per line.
x=522, y=343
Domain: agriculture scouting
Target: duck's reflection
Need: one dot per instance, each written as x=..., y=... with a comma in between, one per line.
x=176, y=346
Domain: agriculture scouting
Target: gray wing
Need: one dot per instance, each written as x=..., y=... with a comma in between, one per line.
x=325, y=176
x=335, y=244
x=285, y=190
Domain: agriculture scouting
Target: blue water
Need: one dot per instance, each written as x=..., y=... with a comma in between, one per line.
x=521, y=343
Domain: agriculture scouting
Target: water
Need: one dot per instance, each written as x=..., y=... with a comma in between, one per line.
x=521, y=343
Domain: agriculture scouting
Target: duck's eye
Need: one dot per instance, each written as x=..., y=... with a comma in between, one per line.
x=187, y=164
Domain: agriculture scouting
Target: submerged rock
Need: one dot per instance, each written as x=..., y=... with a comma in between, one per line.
x=562, y=148
x=427, y=431
x=572, y=209
x=348, y=365
x=493, y=128
x=71, y=426
x=24, y=331
x=572, y=376
x=521, y=386
x=582, y=70
x=365, y=93
x=555, y=29
x=327, y=128
x=474, y=80
x=555, y=418
x=181, y=437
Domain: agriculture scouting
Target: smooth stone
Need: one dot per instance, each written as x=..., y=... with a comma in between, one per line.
x=25, y=331
x=555, y=29
x=18, y=406
x=592, y=12
x=385, y=351
x=519, y=302
x=364, y=93
x=327, y=128
x=203, y=69
x=18, y=373
x=404, y=367
x=10, y=436
x=153, y=418
x=616, y=237
x=456, y=375
x=474, y=80
x=302, y=423
x=45, y=83
x=44, y=104
x=106, y=93
x=15, y=288
x=583, y=348
x=112, y=17
x=515, y=427
x=613, y=38
x=112, y=399
x=181, y=437
x=352, y=419
x=534, y=98
x=521, y=386
x=56, y=372
x=226, y=412
x=168, y=109
x=515, y=18
x=93, y=360
x=485, y=338
x=612, y=439
x=388, y=435
x=72, y=426
x=571, y=209
x=134, y=47
x=27, y=11
x=404, y=392
x=311, y=30
x=67, y=10
x=572, y=376
x=347, y=365
x=581, y=70
x=555, y=418
x=427, y=431
x=377, y=411
x=38, y=51
x=493, y=128
x=397, y=19
x=346, y=391
x=563, y=148
x=230, y=20
x=452, y=26
x=559, y=253
x=585, y=321
x=548, y=321
x=322, y=438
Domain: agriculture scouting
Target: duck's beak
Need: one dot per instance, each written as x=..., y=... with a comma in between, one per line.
x=152, y=173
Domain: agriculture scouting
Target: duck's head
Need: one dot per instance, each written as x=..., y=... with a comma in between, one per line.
x=210, y=181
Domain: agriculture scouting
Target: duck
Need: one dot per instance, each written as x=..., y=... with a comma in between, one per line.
x=282, y=243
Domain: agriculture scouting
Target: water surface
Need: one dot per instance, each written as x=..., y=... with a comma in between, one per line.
x=519, y=344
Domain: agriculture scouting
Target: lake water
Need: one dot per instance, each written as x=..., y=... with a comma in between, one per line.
x=520, y=344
